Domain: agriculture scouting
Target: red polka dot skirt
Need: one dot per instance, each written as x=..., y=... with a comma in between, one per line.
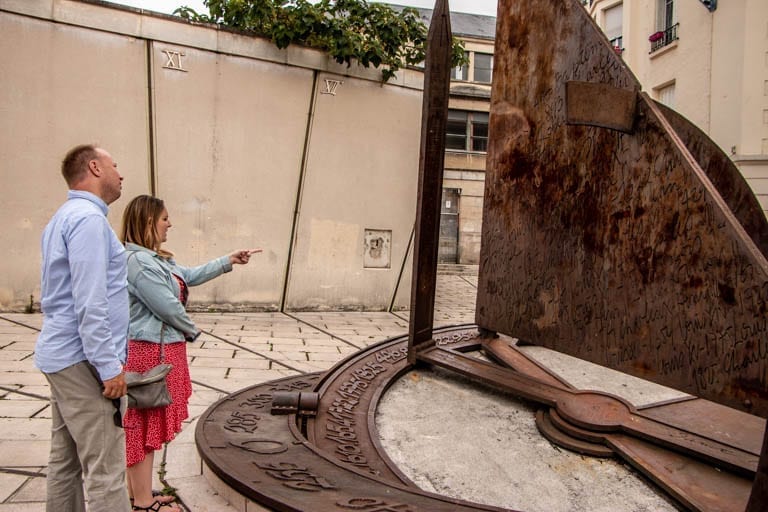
x=148, y=429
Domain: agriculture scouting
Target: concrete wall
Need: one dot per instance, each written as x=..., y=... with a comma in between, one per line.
x=354, y=183
x=249, y=145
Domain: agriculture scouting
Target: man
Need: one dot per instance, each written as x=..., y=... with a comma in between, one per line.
x=82, y=346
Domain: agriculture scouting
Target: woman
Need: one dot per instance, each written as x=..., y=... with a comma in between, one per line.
x=157, y=287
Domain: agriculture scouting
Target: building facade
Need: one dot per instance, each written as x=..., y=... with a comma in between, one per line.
x=708, y=60
x=466, y=139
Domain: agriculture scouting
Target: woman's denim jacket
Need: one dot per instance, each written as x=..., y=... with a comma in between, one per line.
x=154, y=294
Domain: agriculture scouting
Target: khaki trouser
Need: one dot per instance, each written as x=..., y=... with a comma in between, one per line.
x=86, y=446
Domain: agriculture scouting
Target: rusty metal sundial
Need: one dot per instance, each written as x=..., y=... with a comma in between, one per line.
x=614, y=231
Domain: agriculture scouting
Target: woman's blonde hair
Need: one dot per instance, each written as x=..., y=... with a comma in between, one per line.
x=140, y=223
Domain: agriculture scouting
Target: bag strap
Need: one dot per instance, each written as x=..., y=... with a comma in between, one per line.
x=162, y=326
x=162, y=344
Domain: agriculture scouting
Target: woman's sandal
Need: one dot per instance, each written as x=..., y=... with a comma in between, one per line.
x=156, y=506
x=161, y=497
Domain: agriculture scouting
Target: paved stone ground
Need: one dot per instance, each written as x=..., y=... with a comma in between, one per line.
x=447, y=435
x=236, y=351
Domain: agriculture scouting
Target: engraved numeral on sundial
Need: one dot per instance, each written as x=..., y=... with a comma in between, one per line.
x=257, y=401
x=450, y=339
x=295, y=477
x=331, y=86
x=260, y=446
x=293, y=386
x=242, y=422
x=374, y=505
x=173, y=60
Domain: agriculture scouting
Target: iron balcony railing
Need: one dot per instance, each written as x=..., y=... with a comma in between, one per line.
x=662, y=38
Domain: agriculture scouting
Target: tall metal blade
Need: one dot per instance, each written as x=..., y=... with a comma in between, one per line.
x=431, y=159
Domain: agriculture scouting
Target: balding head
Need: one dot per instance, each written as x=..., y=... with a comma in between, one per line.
x=74, y=167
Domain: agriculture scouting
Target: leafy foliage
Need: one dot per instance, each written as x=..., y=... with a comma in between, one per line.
x=372, y=34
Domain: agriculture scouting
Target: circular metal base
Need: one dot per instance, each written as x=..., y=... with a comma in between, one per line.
x=330, y=462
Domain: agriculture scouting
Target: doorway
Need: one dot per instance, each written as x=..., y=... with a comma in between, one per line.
x=448, y=247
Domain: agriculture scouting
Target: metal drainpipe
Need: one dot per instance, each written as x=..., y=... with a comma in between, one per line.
x=300, y=190
x=151, y=119
x=402, y=269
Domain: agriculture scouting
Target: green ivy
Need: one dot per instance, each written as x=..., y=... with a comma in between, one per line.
x=372, y=34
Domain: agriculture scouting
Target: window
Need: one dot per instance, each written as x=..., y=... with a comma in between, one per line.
x=479, y=131
x=666, y=25
x=666, y=95
x=483, y=67
x=456, y=130
x=479, y=69
x=461, y=72
x=665, y=15
x=613, y=25
x=467, y=131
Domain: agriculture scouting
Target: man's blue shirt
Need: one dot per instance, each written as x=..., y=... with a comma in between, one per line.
x=84, y=290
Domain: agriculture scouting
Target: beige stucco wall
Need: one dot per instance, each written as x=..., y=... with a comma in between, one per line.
x=52, y=98
x=719, y=66
x=228, y=163
x=237, y=137
x=353, y=182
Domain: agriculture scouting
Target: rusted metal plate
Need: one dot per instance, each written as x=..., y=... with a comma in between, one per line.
x=612, y=247
x=724, y=175
x=702, y=417
x=561, y=438
x=698, y=486
x=712, y=420
x=501, y=351
x=601, y=105
x=699, y=483
x=759, y=496
x=599, y=412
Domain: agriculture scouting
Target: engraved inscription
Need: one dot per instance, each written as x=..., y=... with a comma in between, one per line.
x=294, y=386
x=391, y=356
x=295, y=477
x=340, y=423
x=456, y=337
x=340, y=427
x=260, y=446
x=173, y=60
x=375, y=505
x=257, y=401
x=245, y=422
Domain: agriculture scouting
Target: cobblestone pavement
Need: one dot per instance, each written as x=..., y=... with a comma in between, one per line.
x=236, y=350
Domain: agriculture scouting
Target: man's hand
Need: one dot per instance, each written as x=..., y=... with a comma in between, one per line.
x=115, y=387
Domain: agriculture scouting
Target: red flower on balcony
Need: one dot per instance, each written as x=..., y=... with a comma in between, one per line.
x=656, y=36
